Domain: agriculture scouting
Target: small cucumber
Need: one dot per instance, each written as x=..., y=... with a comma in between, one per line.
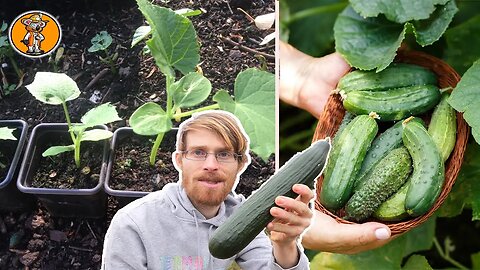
x=428, y=169
x=381, y=146
x=348, y=152
x=395, y=76
x=394, y=104
x=393, y=209
x=386, y=178
x=443, y=127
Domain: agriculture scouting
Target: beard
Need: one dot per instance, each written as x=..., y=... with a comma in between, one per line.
x=200, y=194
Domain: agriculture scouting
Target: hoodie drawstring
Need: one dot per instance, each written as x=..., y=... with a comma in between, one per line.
x=198, y=237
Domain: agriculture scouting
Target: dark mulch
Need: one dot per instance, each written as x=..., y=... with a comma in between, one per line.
x=33, y=238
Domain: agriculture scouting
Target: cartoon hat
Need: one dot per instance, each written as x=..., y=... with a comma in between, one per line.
x=35, y=18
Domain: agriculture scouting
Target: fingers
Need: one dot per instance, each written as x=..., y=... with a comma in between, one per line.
x=304, y=192
x=326, y=234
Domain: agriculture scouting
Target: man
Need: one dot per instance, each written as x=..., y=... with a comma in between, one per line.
x=170, y=229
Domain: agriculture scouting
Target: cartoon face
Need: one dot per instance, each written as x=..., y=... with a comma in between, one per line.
x=34, y=23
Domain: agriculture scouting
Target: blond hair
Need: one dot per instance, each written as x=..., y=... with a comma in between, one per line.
x=224, y=124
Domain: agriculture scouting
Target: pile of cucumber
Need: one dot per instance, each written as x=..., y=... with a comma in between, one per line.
x=399, y=173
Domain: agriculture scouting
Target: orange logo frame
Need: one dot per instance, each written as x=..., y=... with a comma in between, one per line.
x=35, y=34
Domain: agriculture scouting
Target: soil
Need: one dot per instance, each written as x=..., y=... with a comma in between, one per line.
x=36, y=240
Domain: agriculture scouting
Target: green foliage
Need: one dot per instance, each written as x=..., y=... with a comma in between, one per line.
x=174, y=46
x=57, y=89
x=7, y=133
x=101, y=42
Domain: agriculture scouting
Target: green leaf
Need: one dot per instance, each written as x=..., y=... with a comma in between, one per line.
x=367, y=43
x=150, y=119
x=311, y=28
x=103, y=114
x=53, y=88
x=7, y=134
x=430, y=30
x=417, y=262
x=140, y=34
x=55, y=150
x=254, y=105
x=399, y=11
x=475, y=260
x=387, y=257
x=460, y=39
x=3, y=27
x=174, y=40
x=96, y=135
x=466, y=97
x=190, y=90
x=4, y=41
x=100, y=41
x=188, y=12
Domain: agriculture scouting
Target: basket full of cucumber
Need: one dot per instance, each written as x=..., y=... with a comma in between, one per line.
x=397, y=144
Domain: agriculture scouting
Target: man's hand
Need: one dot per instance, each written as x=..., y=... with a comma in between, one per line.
x=326, y=234
x=292, y=217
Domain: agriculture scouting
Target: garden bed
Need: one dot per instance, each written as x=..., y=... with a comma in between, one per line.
x=34, y=238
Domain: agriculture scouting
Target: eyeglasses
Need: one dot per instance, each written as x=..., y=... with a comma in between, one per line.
x=201, y=155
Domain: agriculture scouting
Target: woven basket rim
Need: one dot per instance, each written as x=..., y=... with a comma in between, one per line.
x=333, y=113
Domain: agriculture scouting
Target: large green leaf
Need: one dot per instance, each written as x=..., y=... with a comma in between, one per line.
x=174, y=40
x=463, y=44
x=53, y=88
x=254, y=105
x=367, y=43
x=466, y=98
x=150, y=119
x=430, y=30
x=7, y=134
x=387, y=257
x=399, y=11
x=190, y=90
x=311, y=25
x=103, y=114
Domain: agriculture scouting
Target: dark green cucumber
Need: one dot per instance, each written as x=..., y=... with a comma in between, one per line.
x=252, y=217
x=443, y=127
x=386, y=178
x=393, y=209
x=381, y=146
x=394, y=104
x=428, y=169
x=348, y=152
x=395, y=76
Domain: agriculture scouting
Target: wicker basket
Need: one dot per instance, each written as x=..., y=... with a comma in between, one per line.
x=333, y=114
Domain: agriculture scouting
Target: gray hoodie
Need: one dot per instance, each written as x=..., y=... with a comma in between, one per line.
x=163, y=230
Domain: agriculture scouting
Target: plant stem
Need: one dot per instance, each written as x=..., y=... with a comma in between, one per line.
x=77, y=149
x=156, y=145
x=15, y=67
x=169, y=80
x=67, y=116
x=188, y=113
x=447, y=257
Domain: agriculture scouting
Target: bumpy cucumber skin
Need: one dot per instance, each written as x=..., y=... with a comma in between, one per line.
x=428, y=169
x=381, y=146
x=395, y=76
x=348, y=152
x=443, y=127
x=252, y=217
x=393, y=209
x=394, y=104
x=386, y=178
x=347, y=118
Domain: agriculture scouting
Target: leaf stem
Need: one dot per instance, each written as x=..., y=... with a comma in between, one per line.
x=446, y=256
x=169, y=80
x=188, y=113
x=155, y=147
x=67, y=116
x=77, y=149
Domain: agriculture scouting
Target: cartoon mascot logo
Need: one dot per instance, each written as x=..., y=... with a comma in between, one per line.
x=35, y=34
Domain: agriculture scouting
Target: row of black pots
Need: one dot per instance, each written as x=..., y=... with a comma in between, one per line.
x=83, y=202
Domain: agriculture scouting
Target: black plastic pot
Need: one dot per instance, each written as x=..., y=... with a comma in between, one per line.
x=61, y=202
x=124, y=134
x=11, y=199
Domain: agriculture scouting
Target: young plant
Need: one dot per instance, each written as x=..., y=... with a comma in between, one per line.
x=57, y=89
x=101, y=42
x=174, y=47
x=6, y=134
x=6, y=51
x=54, y=59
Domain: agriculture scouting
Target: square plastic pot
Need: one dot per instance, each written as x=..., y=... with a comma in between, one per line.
x=11, y=199
x=90, y=203
x=124, y=134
